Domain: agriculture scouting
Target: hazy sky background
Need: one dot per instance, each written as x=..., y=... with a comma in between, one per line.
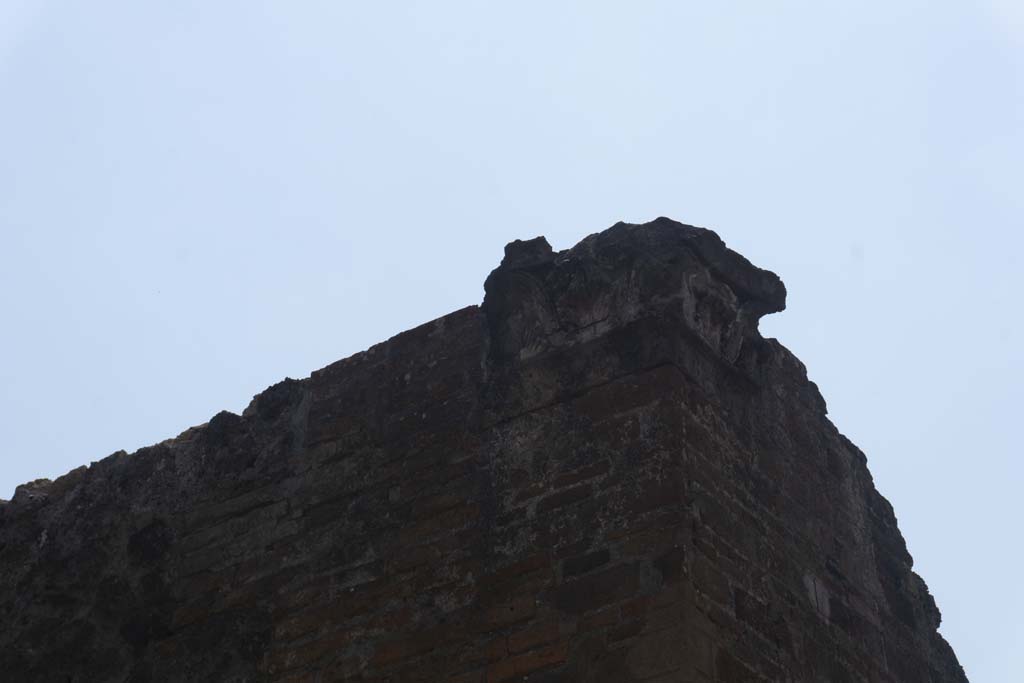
x=200, y=198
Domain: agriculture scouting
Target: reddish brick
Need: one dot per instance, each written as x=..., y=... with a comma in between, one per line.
x=562, y=498
x=411, y=645
x=534, y=635
x=309, y=653
x=474, y=676
x=589, y=472
x=500, y=616
x=595, y=621
x=528, y=662
x=595, y=590
x=626, y=629
x=585, y=563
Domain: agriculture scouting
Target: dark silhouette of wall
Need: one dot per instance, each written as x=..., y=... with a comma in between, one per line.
x=604, y=473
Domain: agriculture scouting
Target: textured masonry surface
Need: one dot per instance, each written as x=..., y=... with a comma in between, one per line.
x=604, y=473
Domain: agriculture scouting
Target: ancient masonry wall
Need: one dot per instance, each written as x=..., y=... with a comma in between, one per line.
x=603, y=473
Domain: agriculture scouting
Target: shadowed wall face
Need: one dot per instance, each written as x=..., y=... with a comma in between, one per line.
x=604, y=473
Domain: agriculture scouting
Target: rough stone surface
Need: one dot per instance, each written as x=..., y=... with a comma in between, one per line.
x=604, y=473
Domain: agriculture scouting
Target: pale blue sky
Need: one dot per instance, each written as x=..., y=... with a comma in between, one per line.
x=200, y=198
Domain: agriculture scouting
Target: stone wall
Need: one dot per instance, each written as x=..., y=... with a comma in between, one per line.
x=604, y=473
